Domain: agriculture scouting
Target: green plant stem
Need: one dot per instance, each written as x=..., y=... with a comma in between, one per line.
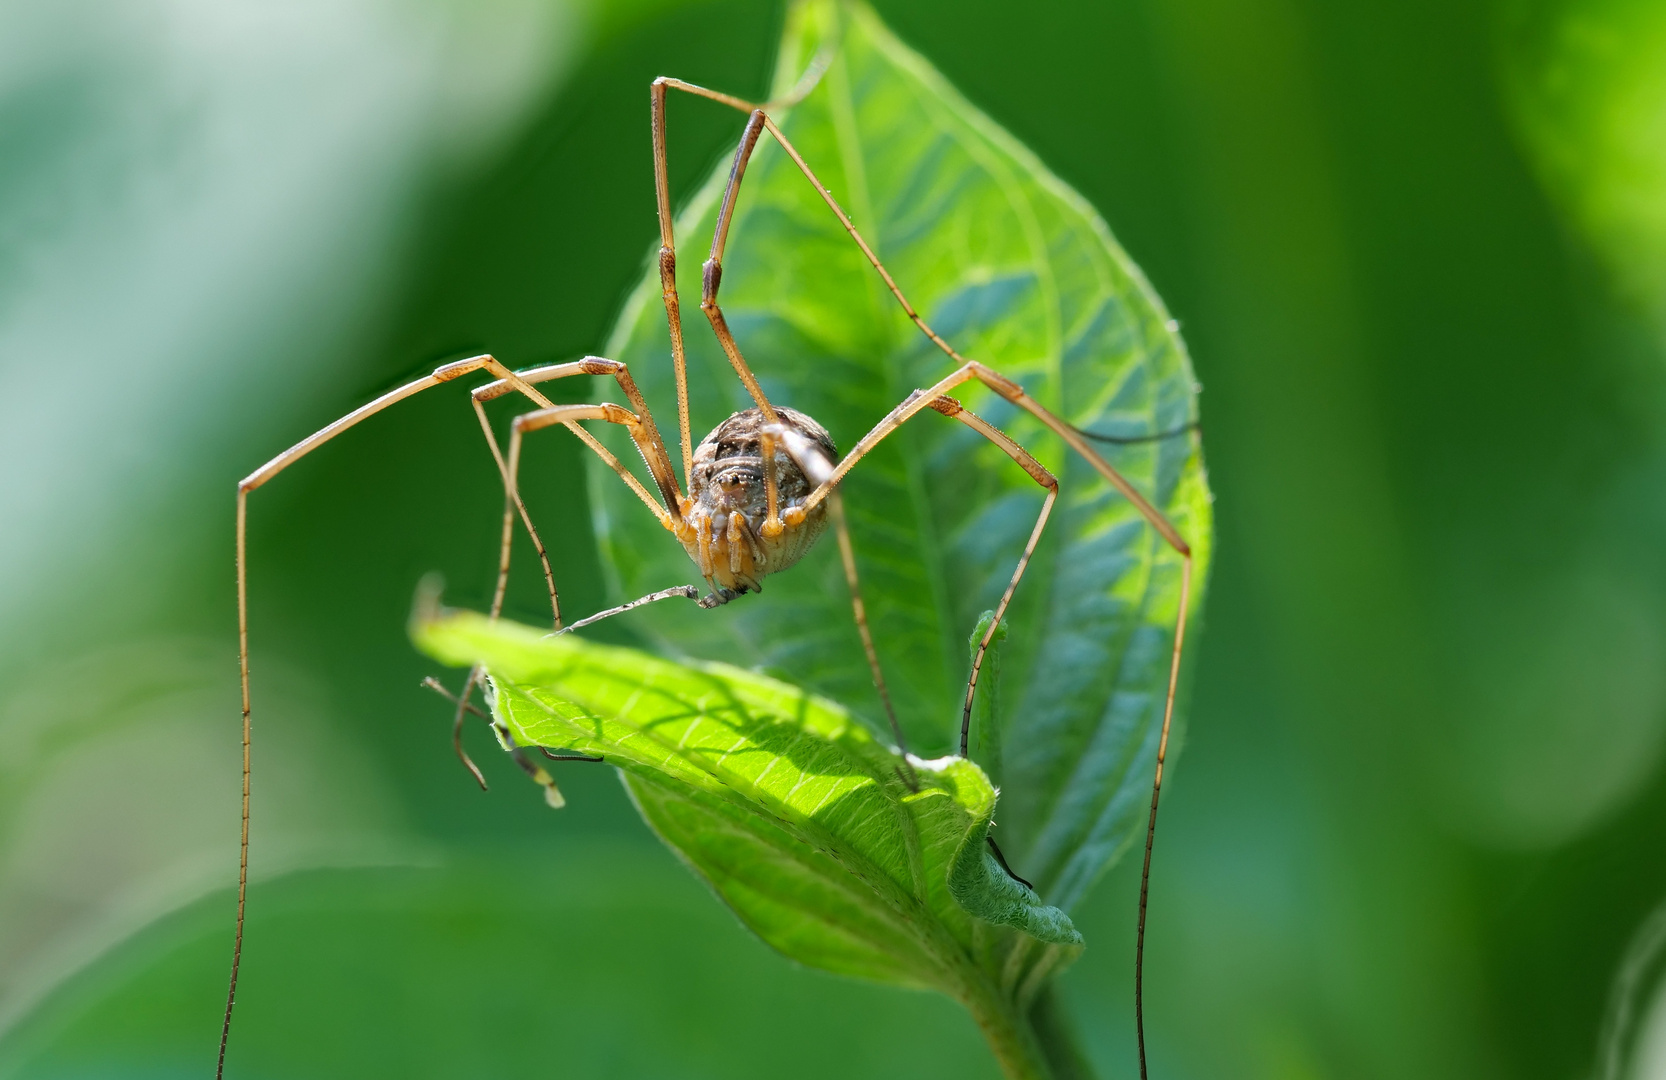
x=1007, y=1030
x=1057, y=1036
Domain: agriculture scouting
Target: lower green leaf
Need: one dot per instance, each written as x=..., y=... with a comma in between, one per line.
x=827, y=843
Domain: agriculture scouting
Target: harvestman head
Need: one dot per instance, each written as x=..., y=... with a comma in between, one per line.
x=761, y=487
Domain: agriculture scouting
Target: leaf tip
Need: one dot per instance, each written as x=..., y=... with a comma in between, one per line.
x=434, y=628
x=425, y=605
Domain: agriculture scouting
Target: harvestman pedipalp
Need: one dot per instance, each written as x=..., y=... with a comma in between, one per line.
x=762, y=486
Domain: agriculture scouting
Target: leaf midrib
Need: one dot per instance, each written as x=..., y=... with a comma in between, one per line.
x=908, y=905
x=853, y=156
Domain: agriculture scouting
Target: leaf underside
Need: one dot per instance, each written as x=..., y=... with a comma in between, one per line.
x=1016, y=270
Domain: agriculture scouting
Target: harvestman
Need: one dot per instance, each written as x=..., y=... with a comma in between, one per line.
x=761, y=486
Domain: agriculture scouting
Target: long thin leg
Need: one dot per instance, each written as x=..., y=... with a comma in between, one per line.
x=641, y=425
x=1156, y=792
x=442, y=374
x=464, y=708
x=649, y=445
x=1048, y=481
x=711, y=271
x=511, y=503
x=431, y=683
x=687, y=591
x=1014, y=393
x=847, y=554
x=667, y=227
x=1132, y=440
x=761, y=119
x=668, y=260
x=554, y=756
x=767, y=437
x=1002, y=859
x=927, y=398
x=915, y=403
x=568, y=416
x=540, y=776
x=668, y=272
x=475, y=675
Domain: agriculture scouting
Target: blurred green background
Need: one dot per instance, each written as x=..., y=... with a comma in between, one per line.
x=1419, y=253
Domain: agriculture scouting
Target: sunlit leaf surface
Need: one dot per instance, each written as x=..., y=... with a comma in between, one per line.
x=819, y=837
x=1018, y=271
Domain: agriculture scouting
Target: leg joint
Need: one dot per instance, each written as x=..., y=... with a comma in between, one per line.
x=995, y=380
x=499, y=387
x=458, y=368
x=564, y=414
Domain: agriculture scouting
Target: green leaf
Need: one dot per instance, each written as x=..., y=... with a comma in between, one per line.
x=795, y=814
x=417, y=972
x=1586, y=81
x=1018, y=271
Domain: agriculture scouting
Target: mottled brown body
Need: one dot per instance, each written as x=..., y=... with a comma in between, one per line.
x=729, y=528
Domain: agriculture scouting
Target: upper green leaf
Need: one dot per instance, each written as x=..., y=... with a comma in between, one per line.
x=1019, y=272
x=796, y=815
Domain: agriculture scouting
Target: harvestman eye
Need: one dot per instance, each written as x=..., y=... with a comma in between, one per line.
x=761, y=488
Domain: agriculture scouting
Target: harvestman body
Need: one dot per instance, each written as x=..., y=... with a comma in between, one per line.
x=762, y=487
